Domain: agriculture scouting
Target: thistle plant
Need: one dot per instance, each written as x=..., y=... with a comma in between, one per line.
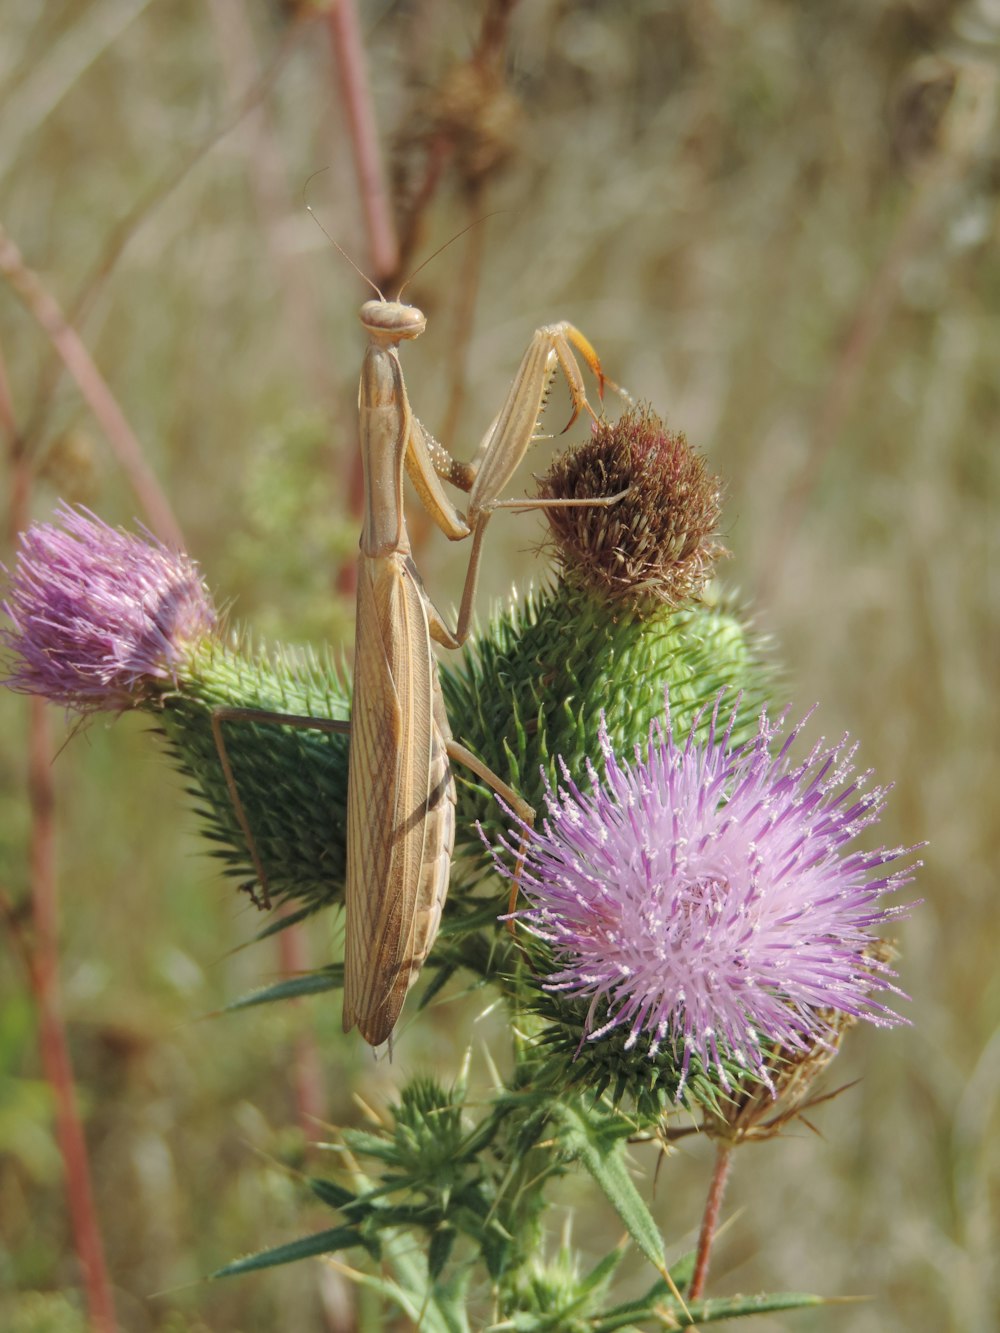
x=699, y=922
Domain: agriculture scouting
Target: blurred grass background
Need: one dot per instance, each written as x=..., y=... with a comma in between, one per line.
x=778, y=223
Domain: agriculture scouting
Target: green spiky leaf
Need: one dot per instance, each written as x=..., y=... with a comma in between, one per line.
x=294, y=988
x=587, y=1138
x=307, y=1247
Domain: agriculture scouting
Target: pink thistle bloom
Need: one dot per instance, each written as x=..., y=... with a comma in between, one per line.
x=100, y=618
x=705, y=897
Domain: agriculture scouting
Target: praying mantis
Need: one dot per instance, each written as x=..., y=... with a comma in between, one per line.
x=401, y=793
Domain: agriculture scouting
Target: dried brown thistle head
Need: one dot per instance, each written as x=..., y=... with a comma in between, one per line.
x=657, y=543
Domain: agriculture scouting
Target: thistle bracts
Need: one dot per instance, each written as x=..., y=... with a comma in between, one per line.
x=534, y=685
x=632, y=615
x=705, y=900
x=103, y=619
x=290, y=781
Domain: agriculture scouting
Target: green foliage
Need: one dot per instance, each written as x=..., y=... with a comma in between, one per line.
x=528, y=690
x=649, y=1088
x=533, y=685
x=294, y=988
x=595, y=1139
x=323, y=1242
x=474, y=1191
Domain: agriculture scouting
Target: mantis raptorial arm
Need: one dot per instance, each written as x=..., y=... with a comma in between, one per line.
x=501, y=451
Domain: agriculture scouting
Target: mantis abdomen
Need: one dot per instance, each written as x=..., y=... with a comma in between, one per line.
x=400, y=797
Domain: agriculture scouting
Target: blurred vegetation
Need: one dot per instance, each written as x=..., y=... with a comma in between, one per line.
x=778, y=223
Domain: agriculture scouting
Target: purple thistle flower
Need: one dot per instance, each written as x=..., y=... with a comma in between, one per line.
x=705, y=897
x=100, y=617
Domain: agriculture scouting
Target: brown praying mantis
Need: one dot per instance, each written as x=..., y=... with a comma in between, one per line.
x=401, y=793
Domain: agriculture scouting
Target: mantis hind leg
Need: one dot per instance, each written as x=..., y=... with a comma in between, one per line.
x=525, y=813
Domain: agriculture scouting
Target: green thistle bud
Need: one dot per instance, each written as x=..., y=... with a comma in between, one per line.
x=291, y=782
x=534, y=685
x=610, y=636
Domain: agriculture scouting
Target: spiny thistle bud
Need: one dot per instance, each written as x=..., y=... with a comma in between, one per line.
x=290, y=781
x=657, y=543
x=533, y=685
x=701, y=902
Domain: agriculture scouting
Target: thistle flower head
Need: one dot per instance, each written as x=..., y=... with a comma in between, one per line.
x=656, y=544
x=705, y=898
x=100, y=618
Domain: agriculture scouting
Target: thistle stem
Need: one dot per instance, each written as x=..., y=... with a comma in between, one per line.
x=42, y=956
x=307, y=1068
x=46, y=311
x=710, y=1218
x=52, y=1032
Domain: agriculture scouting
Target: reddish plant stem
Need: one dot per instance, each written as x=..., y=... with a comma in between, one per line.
x=43, y=956
x=307, y=1068
x=94, y=389
x=269, y=180
x=465, y=318
x=493, y=33
x=487, y=56
x=710, y=1218
x=356, y=98
x=52, y=1032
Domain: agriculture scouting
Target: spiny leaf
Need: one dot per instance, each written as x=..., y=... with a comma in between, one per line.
x=311, y=983
x=658, y=1308
x=604, y=1159
x=323, y=1242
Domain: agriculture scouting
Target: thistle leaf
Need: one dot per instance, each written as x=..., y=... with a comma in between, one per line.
x=311, y=983
x=603, y=1157
x=307, y=1247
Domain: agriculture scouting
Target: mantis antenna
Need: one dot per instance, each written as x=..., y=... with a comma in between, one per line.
x=337, y=246
x=364, y=276
x=434, y=254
